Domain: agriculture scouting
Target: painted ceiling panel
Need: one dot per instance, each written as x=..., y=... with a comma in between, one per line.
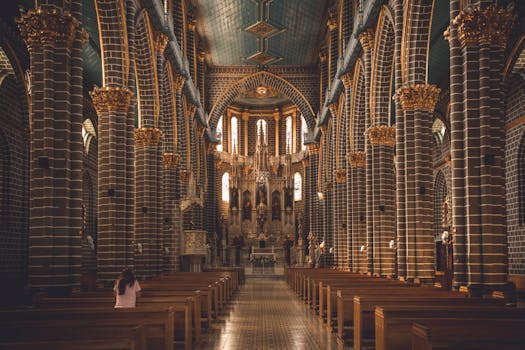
x=223, y=26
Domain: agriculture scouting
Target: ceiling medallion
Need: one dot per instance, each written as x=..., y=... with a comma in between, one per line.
x=264, y=28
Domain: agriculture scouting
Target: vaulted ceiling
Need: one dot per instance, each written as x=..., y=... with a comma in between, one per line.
x=261, y=32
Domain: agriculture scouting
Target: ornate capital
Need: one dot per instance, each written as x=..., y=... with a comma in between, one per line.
x=218, y=163
x=111, y=99
x=170, y=160
x=418, y=97
x=323, y=56
x=448, y=159
x=161, y=40
x=340, y=175
x=179, y=82
x=313, y=148
x=366, y=38
x=347, y=80
x=356, y=159
x=332, y=24
x=333, y=109
x=184, y=176
x=147, y=136
x=490, y=25
x=191, y=110
x=201, y=56
x=382, y=135
x=45, y=26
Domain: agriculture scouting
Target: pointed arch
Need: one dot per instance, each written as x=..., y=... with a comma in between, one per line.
x=251, y=82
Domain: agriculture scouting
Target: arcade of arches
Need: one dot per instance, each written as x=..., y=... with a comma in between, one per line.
x=180, y=134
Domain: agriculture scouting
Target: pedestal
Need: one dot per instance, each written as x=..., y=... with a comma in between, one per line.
x=194, y=243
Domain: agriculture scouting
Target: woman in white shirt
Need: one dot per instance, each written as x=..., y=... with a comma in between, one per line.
x=127, y=289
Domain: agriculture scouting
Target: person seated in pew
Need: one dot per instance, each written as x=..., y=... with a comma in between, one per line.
x=127, y=289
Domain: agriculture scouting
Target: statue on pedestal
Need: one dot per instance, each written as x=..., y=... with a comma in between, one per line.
x=261, y=217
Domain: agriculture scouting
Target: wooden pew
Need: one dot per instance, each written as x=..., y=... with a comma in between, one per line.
x=468, y=334
x=71, y=335
x=393, y=324
x=159, y=322
x=364, y=309
x=182, y=325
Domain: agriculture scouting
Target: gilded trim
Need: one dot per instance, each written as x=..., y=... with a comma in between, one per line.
x=147, y=137
x=356, y=159
x=111, y=99
x=46, y=26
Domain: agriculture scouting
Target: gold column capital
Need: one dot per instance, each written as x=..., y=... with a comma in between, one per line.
x=489, y=25
x=170, y=160
x=366, y=38
x=340, y=175
x=333, y=109
x=356, y=159
x=382, y=135
x=111, y=98
x=323, y=56
x=160, y=40
x=312, y=148
x=147, y=136
x=201, y=56
x=347, y=80
x=179, y=82
x=332, y=24
x=418, y=97
x=45, y=26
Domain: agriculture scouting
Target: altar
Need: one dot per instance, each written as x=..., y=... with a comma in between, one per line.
x=263, y=260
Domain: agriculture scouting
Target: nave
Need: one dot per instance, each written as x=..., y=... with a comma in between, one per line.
x=267, y=315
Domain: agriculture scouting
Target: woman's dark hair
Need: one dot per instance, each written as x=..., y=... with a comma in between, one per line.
x=126, y=278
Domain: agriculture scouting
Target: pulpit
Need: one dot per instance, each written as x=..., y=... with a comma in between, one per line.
x=194, y=248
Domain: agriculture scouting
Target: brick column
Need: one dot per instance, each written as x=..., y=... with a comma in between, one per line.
x=312, y=186
x=54, y=40
x=357, y=163
x=380, y=198
x=147, y=201
x=115, y=235
x=482, y=35
x=418, y=102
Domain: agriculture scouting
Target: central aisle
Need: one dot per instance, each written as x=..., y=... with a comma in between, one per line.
x=267, y=315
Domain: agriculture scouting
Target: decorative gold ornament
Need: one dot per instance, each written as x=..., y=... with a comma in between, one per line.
x=340, y=175
x=312, y=148
x=347, y=80
x=170, y=160
x=305, y=162
x=382, y=135
x=323, y=56
x=366, y=38
x=191, y=110
x=184, y=176
x=161, y=40
x=448, y=159
x=332, y=24
x=356, y=159
x=179, y=82
x=111, y=99
x=333, y=109
x=490, y=25
x=192, y=24
x=218, y=163
x=418, y=97
x=147, y=136
x=201, y=56
x=212, y=147
x=45, y=26
x=247, y=170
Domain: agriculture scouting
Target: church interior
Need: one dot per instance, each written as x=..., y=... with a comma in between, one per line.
x=345, y=155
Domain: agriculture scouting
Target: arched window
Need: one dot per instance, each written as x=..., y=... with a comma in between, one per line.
x=218, y=134
x=262, y=126
x=226, y=187
x=88, y=132
x=235, y=134
x=304, y=130
x=297, y=187
x=288, y=122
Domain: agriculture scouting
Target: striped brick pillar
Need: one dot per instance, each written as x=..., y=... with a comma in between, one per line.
x=171, y=237
x=366, y=38
x=311, y=186
x=400, y=148
x=457, y=150
x=54, y=40
x=482, y=48
x=182, y=133
x=115, y=236
x=418, y=102
x=381, y=198
x=357, y=164
x=147, y=201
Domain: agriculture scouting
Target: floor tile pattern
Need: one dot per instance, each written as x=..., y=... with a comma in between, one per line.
x=267, y=315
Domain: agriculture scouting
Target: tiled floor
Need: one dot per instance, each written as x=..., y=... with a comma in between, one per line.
x=266, y=315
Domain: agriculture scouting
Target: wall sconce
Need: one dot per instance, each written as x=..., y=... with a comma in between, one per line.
x=392, y=244
x=362, y=249
x=320, y=195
